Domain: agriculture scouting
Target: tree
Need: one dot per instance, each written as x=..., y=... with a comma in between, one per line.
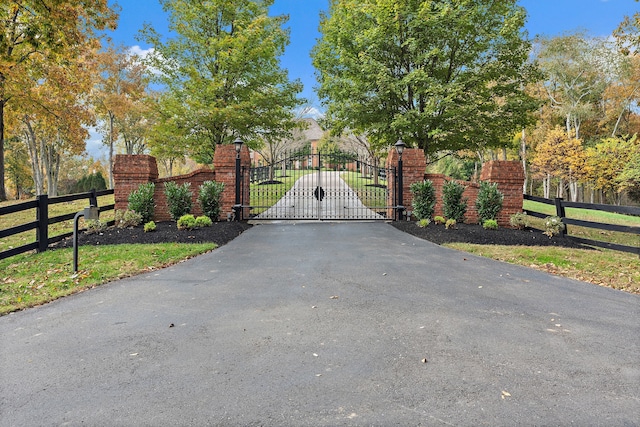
x=561, y=157
x=118, y=96
x=223, y=68
x=441, y=75
x=41, y=27
x=611, y=165
x=574, y=76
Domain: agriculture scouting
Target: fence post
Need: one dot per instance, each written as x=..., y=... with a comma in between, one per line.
x=561, y=213
x=42, y=216
x=93, y=199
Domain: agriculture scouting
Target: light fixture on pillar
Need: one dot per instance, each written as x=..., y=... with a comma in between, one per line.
x=238, y=144
x=237, y=208
x=399, y=146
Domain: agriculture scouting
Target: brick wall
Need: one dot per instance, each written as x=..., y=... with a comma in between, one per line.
x=510, y=178
x=413, y=165
x=470, y=193
x=129, y=171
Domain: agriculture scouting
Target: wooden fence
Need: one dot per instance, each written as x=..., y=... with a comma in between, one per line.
x=561, y=206
x=42, y=221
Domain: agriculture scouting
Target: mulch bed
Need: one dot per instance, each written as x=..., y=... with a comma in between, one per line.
x=219, y=233
x=223, y=232
x=474, y=233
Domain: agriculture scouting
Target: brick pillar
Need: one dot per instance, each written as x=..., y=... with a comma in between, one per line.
x=414, y=165
x=129, y=171
x=509, y=176
x=224, y=165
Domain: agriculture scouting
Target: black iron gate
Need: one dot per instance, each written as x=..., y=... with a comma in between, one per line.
x=320, y=186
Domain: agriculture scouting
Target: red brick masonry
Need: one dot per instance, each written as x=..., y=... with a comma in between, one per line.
x=130, y=171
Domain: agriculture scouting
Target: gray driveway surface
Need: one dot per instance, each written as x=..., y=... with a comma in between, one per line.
x=339, y=202
x=324, y=324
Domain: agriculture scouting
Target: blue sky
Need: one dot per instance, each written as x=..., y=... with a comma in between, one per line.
x=546, y=17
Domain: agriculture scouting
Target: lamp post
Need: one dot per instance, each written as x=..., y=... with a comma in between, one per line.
x=237, y=208
x=90, y=213
x=399, y=146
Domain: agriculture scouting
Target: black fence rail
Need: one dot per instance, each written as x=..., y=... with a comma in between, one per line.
x=42, y=221
x=561, y=206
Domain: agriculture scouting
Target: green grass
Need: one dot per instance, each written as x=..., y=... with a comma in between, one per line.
x=628, y=239
x=372, y=197
x=265, y=196
x=28, y=280
x=29, y=215
x=612, y=269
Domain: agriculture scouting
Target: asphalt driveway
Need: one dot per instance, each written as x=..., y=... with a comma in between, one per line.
x=327, y=324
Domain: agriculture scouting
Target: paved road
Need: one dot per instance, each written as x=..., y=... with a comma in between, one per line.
x=339, y=201
x=327, y=324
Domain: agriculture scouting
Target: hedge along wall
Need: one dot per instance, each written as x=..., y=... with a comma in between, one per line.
x=509, y=176
x=129, y=171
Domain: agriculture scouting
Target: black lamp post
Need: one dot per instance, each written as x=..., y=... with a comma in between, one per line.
x=400, y=149
x=237, y=208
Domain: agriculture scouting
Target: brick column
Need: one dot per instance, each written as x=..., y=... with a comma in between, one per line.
x=509, y=176
x=224, y=165
x=129, y=171
x=414, y=165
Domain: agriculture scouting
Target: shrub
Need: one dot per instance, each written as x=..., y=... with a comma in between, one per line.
x=186, y=222
x=489, y=201
x=490, y=224
x=141, y=201
x=150, y=226
x=424, y=222
x=178, y=199
x=209, y=198
x=203, y=221
x=553, y=225
x=519, y=220
x=450, y=223
x=127, y=218
x=95, y=226
x=424, y=199
x=439, y=219
x=454, y=205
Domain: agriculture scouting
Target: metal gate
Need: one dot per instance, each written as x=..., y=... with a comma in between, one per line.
x=321, y=187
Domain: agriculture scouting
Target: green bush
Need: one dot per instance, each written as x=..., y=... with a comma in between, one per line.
x=424, y=199
x=450, y=223
x=519, y=220
x=489, y=201
x=553, y=225
x=424, y=222
x=203, y=221
x=454, y=205
x=439, y=219
x=127, y=218
x=141, y=201
x=186, y=222
x=95, y=181
x=490, y=224
x=179, y=199
x=209, y=198
x=150, y=226
x=95, y=226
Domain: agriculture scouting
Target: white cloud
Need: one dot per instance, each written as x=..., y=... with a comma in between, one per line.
x=142, y=53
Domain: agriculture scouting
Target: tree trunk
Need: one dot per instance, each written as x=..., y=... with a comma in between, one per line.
x=32, y=147
x=3, y=193
x=111, y=118
x=523, y=155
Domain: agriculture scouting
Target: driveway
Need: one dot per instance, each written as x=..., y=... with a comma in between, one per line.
x=324, y=324
x=338, y=200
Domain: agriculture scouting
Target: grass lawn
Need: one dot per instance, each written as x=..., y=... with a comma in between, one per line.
x=23, y=217
x=263, y=196
x=29, y=279
x=372, y=197
x=628, y=239
x=613, y=269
